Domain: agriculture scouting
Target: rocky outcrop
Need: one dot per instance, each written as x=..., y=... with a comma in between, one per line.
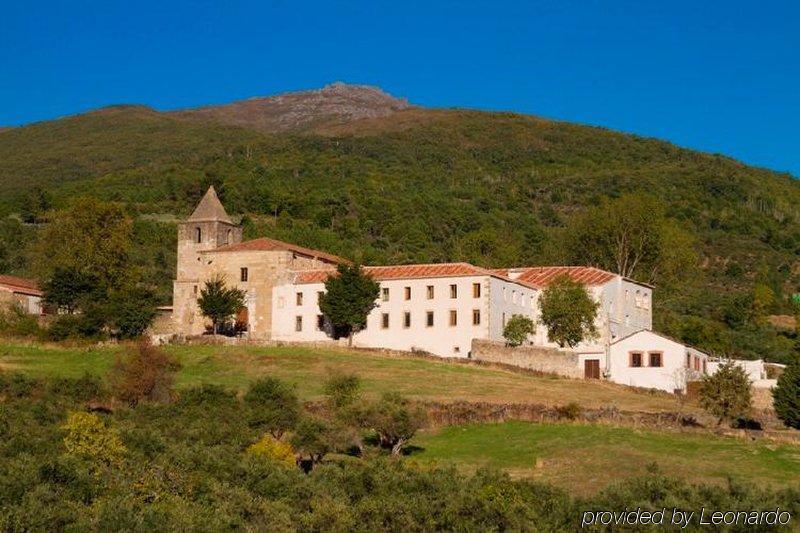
x=336, y=103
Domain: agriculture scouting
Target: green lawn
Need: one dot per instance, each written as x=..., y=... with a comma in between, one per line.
x=584, y=457
x=307, y=368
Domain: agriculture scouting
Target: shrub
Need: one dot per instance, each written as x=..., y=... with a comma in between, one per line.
x=15, y=322
x=273, y=405
x=726, y=394
x=207, y=395
x=88, y=438
x=570, y=411
x=311, y=440
x=395, y=420
x=145, y=373
x=342, y=390
x=786, y=396
x=75, y=327
x=274, y=450
x=517, y=330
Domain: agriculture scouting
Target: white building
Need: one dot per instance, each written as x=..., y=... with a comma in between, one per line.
x=435, y=308
x=22, y=293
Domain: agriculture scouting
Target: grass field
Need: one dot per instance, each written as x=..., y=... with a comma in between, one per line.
x=584, y=457
x=307, y=368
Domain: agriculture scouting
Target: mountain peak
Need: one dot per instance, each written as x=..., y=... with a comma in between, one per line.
x=336, y=103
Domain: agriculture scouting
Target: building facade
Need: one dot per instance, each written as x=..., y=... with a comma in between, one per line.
x=433, y=308
x=21, y=293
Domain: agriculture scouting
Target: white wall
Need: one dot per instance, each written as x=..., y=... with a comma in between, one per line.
x=754, y=369
x=628, y=306
x=507, y=299
x=440, y=339
x=670, y=376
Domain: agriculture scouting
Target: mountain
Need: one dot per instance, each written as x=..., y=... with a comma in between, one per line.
x=361, y=174
x=337, y=103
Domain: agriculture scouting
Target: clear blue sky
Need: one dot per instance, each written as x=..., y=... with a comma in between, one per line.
x=718, y=76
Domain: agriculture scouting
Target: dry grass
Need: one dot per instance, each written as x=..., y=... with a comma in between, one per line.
x=307, y=368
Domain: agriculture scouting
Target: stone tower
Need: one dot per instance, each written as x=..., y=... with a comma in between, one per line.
x=208, y=227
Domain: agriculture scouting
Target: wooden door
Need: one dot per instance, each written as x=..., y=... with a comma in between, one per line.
x=591, y=369
x=242, y=319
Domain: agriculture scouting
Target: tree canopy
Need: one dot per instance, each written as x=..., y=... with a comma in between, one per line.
x=568, y=312
x=348, y=298
x=219, y=302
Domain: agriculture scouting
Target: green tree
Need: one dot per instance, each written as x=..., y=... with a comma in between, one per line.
x=631, y=236
x=68, y=288
x=35, y=205
x=348, y=299
x=395, y=420
x=90, y=237
x=130, y=310
x=517, y=330
x=273, y=406
x=219, y=302
x=568, y=312
x=726, y=394
x=761, y=303
x=786, y=396
x=342, y=390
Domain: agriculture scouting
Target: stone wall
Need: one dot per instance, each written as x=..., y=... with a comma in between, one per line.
x=538, y=359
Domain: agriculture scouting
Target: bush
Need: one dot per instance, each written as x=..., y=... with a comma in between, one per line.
x=786, y=396
x=274, y=450
x=342, y=390
x=726, y=394
x=518, y=329
x=145, y=373
x=75, y=327
x=273, y=406
x=571, y=411
x=395, y=420
x=15, y=322
x=88, y=438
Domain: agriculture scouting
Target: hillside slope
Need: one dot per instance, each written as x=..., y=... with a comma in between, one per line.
x=425, y=185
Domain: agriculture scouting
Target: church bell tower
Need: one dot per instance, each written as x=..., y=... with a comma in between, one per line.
x=209, y=227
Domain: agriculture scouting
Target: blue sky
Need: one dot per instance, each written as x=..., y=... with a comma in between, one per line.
x=717, y=76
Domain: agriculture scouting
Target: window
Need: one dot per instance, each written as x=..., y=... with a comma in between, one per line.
x=635, y=359
x=243, y=273
x=705, y=369
x=407, y=293
x=696, y=363
x=385, y=320
x=504, y=320
x=453, y=291
x=429, y=319
x=299, y=298
x=298, y=323
x=476, y=290
x=476, y=317
x=320, y=322
x=430, y=292
x=195, y=289
x=198, y=235
x=453, y=317
x=456, y=349
x=505, y=297
x=688, y=360
x=228, y=237
x=407, y=320
x=385, y=294
x=656, y=359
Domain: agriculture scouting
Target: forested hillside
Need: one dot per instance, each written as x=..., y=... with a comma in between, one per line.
x=420, y=185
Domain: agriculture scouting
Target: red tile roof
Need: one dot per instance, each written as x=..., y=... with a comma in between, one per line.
x=540, y=277
x=265, y=244
x=20, y=285
x=437, y=270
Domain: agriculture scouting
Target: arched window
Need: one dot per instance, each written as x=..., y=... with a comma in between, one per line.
x=229, y=237
x=198, y=235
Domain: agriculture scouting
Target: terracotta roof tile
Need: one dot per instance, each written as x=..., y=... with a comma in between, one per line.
x=540, y=277
x=438, y=270
x=21, y=285
x=265, y=244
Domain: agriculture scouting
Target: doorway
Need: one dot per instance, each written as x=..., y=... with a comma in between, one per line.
x=591, y=369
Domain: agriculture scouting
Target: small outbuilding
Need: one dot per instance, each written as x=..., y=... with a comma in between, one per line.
x=22, y=293
x=650, y=360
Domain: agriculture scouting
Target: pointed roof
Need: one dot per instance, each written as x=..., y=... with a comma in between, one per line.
x=210, y=208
